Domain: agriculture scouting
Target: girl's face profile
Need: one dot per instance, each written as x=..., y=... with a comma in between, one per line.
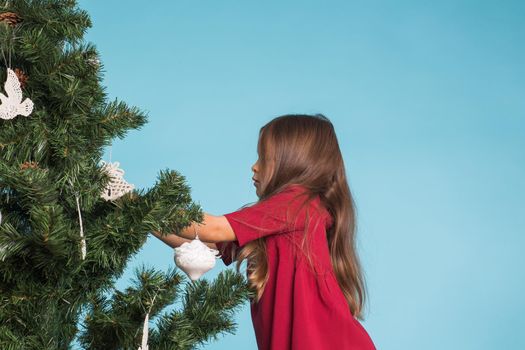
x=258, y=173
x=262, y=167
x=255, y=178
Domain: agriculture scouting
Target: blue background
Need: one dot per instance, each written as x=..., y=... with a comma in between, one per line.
x=427, y=99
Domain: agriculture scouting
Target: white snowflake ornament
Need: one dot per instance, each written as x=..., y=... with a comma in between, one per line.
x=12, y=105
x=195, y=258
x=117, y=186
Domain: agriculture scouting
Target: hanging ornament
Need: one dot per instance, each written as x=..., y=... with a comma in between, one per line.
x=117, y=186
x=145, y=328
x=82, y=238
x=12, y=105
x=83, y=248
x=195, y=258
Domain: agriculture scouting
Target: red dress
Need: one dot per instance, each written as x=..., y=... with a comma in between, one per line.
x=297, y=311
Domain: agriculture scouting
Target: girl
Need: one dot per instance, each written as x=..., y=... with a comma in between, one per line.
x=298, y=240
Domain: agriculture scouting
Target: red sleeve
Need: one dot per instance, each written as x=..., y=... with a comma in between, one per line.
x=275, y=215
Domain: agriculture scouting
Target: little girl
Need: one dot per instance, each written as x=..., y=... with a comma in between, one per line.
x=298, y=239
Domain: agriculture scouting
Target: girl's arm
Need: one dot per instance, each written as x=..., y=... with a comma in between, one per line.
x=212, y=229
x=175, y=241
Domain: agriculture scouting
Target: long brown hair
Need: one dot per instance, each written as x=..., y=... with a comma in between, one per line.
x=303, y=149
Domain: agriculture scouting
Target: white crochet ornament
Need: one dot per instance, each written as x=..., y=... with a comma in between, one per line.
x=12, y=105
x=195, y=258
x=117, y=186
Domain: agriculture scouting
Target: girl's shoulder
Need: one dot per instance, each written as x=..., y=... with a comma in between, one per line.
x=295, y=195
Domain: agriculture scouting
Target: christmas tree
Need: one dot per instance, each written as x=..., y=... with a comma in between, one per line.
x=69, y=222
